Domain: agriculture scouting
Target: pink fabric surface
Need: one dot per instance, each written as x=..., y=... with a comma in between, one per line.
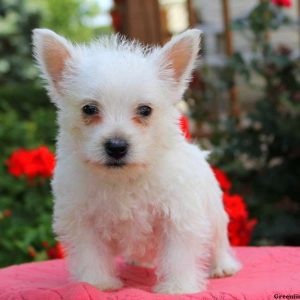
x=266, y=271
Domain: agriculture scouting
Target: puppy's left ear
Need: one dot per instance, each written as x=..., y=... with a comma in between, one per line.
x=177, y=58
x=52, y=52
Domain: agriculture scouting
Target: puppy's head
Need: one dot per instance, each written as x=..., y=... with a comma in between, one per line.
x=116, y=99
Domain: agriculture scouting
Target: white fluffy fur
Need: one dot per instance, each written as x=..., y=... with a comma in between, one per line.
x=164, y=207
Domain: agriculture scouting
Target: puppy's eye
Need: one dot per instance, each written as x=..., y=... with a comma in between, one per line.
x=144, y=110
x=90, y=110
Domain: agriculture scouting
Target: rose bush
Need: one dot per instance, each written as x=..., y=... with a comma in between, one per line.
x=26, y=205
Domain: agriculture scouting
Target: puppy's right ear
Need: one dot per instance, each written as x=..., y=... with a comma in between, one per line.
x=52, y=52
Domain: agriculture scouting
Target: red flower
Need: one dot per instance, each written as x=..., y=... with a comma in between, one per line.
x=38, y=162
x=283, y=3
x=223, y=179
x=56, y=252
x=240, y=226
x=185, y=128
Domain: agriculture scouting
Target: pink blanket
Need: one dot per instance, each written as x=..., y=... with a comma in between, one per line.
x=267, y=272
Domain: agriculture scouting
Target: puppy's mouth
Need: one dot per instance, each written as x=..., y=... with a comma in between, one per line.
x=115, y=164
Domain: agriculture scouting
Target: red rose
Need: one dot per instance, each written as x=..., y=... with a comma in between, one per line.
x=16, y=161
x=38, y=162
x=185, y=128
x=56, y=252
x=235, y=206
x=222, y=178
x=283, y=3
x=45, y=161
x=240, y=227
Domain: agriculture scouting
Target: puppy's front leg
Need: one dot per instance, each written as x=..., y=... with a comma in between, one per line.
x=91, y=261
x=179, y=270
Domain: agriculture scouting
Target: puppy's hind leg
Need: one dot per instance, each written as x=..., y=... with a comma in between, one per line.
x=223, y=261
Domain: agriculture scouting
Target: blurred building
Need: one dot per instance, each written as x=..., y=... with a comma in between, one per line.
x=154, y=21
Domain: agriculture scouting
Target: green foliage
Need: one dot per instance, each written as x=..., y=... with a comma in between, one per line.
x=261, y=149
x=16, y=22
x=27, y=120
x=265, y=16
x=70, y=18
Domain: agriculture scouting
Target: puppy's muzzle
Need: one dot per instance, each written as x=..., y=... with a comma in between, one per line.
x=116, y=148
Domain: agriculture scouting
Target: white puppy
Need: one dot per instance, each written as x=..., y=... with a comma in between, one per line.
x=126, y=181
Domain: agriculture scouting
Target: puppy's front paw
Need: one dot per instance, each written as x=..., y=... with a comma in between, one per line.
x=176, y=287
x=109, y=284
x=226, y=266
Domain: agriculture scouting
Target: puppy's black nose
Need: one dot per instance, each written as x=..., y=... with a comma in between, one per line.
x=116, y=148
